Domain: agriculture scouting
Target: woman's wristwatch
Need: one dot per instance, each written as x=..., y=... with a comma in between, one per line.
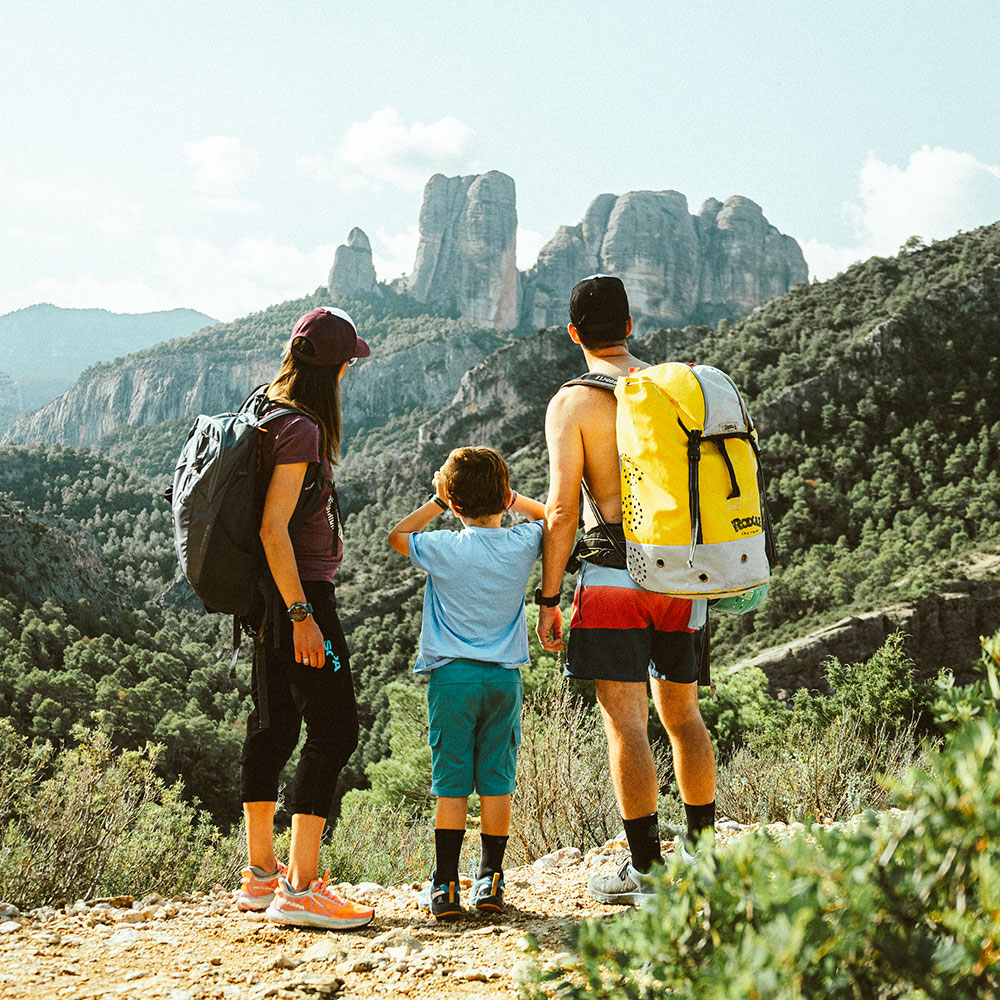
x=299, y=611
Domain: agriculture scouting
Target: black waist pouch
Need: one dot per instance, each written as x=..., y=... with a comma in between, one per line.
x=602, y=546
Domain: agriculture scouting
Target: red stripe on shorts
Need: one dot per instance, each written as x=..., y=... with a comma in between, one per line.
x=624, y=607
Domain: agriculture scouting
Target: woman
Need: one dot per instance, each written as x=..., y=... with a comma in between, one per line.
x=301, y=669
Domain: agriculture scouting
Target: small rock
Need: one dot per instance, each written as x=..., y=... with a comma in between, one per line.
x=396, y=938
x=179, y=995
x=8, y=911
x=215, y=960
x=323, y=951
x=563, y=858
x=123, y=937
x=354, y=965
x=523, y=971
x=129, y=917
x=49, y=938
x=562, y=960
x=284, y=961
x=473, y=976
x=9, y=927
x=135, y=974
x=369, y=888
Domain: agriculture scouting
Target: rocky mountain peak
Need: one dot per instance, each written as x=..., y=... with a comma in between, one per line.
x=678, y=267
x=353, y=272
x=466, y=256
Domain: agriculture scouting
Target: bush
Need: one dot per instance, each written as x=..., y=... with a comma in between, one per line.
x=902, y=905
x=564, y=795
x=824, y=756
x=100, y=823
x=373, y=842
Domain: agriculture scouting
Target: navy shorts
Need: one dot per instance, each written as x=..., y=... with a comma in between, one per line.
x=620, y=632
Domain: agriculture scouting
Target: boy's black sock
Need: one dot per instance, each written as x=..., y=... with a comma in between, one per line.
x=643, y=835
x=447, y=848
x=699, y=818
x=491, y=861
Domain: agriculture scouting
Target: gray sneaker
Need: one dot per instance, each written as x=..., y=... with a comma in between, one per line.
x=629, y=887
x=443, y=900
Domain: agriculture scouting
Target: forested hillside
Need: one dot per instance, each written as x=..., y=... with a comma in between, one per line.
x=878, y=399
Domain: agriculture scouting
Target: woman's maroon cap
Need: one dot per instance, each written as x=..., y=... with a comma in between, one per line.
x=333, y=336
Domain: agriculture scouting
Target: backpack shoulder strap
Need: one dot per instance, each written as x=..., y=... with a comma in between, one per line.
x=596, y=380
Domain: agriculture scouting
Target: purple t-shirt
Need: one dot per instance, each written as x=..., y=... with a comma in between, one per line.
x=289, y=440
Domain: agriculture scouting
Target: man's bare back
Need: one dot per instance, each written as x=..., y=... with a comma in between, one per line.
x=588, y=414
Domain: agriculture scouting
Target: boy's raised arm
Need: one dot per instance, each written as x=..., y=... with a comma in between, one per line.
x=399, y=536
x=526, y=507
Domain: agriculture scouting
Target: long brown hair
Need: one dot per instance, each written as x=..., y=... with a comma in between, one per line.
x=315, y=390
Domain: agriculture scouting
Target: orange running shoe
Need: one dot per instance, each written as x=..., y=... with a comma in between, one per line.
x=257, y=887
x=317, y=906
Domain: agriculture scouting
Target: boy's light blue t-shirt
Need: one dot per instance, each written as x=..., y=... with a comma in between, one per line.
x=474, y=601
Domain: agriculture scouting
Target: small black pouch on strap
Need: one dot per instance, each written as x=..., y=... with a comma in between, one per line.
x=602, y=546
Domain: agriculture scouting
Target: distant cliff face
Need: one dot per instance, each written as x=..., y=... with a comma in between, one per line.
x=44, y=561
x=353, y=272
x=676, y=267
x=466, y=255
x=141, y=390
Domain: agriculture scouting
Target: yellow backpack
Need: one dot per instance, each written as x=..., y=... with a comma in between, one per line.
x=694, y=512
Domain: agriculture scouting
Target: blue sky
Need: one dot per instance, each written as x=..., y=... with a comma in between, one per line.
x=213, y=155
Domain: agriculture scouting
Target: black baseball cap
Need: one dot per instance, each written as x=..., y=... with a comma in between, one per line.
x=598, y=305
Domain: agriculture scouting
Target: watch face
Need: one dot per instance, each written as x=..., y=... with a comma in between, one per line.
x=299, y=612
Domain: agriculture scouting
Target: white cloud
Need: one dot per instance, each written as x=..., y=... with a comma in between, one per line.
x=394, y=253
x=386, y=148
x=937, y=193
x=120, y=295
x=227, y=205
x=528, y=244
x=219, y=163
x=259, y=272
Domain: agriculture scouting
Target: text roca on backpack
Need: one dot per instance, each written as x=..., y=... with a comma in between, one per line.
x=216, y=508
x=694, y=512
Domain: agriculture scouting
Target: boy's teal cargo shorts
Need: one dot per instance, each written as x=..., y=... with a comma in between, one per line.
x=474, y=711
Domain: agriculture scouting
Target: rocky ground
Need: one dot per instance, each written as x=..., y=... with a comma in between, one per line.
x=198, y=945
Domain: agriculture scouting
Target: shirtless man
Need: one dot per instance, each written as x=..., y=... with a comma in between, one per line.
x=618, y=631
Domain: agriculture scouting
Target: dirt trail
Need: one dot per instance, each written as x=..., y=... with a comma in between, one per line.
x=199, y=946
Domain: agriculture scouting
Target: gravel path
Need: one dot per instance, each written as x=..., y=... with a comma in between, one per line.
x=199, y=946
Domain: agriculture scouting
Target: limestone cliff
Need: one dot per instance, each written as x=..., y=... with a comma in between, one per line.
x=44, y=559
x=353, y=272
x=941, y=630
x=677, y=267
x=466, y=256
x=421, y=370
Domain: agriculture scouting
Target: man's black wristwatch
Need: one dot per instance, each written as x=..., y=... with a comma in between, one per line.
x=546, y=602
x=299, y=612
x=438, y=501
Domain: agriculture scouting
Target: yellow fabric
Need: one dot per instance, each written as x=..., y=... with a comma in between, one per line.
x=654, y=463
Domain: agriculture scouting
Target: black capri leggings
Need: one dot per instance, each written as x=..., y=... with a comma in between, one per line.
x=323, y=697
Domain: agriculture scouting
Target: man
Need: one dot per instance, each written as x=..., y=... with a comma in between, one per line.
x=618, y=631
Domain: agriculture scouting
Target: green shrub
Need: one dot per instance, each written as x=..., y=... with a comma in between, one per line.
x=374, y=842
x=905, y=904
x=564, y=795
x=739, y=706
x=92, y=821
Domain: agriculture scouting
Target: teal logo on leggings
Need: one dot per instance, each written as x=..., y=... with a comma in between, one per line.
x=328, y=646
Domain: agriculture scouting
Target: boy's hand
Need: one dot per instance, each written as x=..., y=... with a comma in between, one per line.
x=439, y=486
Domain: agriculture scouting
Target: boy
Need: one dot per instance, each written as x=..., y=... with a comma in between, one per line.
x=473, y=641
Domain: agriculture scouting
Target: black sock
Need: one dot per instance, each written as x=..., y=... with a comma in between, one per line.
x=447, y=848
x=699, y=818
x=491, y=861
x=643, y=835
